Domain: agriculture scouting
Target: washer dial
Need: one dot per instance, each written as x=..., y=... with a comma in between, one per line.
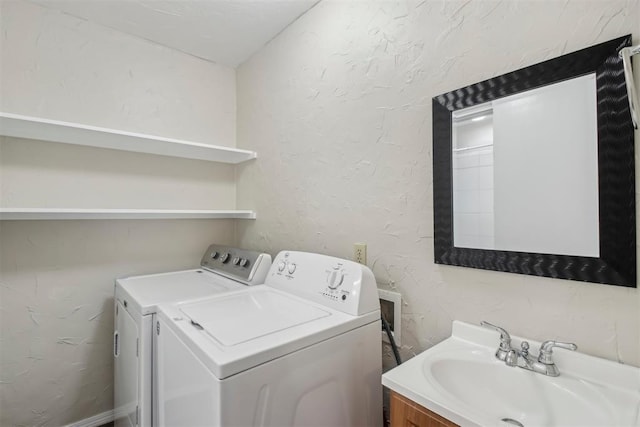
x=335, y=279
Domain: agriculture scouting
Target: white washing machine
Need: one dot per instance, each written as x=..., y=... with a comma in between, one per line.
x=224, y=269
x=301, y=350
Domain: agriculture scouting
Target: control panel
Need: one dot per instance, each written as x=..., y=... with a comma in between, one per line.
x=337, y=283
x=246, y=266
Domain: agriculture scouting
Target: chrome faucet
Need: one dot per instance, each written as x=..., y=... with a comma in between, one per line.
x=542, y=364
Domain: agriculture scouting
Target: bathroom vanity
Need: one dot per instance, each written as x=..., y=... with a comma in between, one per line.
x=462, y=381
x=406, y=412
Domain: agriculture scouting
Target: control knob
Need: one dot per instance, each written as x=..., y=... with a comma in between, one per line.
x=244, y=262
x=292, y=268
x=215, y=254
x=224, y=258
x=335, y=279
x=236, y=261
x=281, y=266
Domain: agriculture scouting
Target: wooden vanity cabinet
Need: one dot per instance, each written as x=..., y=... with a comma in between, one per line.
x=407, y=413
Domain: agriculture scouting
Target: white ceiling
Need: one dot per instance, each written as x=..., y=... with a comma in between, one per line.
x=227, y=32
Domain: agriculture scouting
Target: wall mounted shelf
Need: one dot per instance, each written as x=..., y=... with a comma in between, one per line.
x=19, y=126
x=61, y=214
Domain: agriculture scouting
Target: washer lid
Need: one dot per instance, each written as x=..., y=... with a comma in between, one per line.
x=231, y=333
x=239, y=318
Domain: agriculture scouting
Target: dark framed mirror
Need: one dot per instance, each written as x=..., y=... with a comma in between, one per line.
x=533, y=171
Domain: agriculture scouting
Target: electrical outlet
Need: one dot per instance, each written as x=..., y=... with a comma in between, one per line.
x=360, y=253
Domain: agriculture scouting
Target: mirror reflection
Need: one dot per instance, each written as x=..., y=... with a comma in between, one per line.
x=525, y=171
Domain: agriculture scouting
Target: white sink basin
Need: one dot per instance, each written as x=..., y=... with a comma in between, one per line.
x=462, y=380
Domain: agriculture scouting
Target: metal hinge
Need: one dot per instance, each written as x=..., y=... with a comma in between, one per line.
x=157, y=328
x=197, y=325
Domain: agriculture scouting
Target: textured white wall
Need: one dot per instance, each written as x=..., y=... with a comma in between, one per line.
x=339, y=108
x=60, y=67
x=56, y=302
x=56, y=277
x=49, y=175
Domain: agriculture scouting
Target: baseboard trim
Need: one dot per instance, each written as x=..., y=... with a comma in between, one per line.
x=95, y=421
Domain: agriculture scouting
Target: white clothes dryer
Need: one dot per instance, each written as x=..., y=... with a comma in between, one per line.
x=224, y=269
x=301, y=350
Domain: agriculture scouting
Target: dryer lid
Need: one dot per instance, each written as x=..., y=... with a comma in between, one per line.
x=240, y=318
x=145, y=293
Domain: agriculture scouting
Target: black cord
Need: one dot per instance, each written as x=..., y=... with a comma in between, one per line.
x=394, y=347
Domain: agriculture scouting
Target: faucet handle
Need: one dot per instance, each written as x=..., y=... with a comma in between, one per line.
x=502, y=353
x=511, y=358
x=546, y=350
x=505, y=338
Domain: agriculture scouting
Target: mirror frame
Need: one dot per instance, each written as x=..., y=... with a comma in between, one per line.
x=616, y=170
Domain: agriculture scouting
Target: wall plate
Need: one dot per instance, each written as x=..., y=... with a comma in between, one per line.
x=395, y=312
